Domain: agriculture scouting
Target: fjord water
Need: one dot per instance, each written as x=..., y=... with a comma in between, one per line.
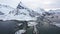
x=8, y=27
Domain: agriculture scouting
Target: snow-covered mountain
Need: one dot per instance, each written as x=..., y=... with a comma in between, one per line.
x=21, y=9
x=20, y=13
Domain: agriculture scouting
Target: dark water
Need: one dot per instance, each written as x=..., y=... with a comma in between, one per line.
x=9, y=27
x=48, y=29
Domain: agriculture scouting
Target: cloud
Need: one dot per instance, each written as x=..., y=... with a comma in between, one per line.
x=46, y=4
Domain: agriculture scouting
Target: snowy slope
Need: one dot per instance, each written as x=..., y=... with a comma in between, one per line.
x=15, y=14
x=5, y=8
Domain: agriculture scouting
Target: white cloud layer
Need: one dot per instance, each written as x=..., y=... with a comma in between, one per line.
x=46, y=4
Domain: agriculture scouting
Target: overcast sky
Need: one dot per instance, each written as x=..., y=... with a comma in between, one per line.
x=46, y=4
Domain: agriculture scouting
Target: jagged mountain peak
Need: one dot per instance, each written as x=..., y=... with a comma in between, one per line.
x=22, y=9
x=20, y=6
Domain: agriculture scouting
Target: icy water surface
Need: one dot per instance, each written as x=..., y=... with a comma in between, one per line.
x=9, y=27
